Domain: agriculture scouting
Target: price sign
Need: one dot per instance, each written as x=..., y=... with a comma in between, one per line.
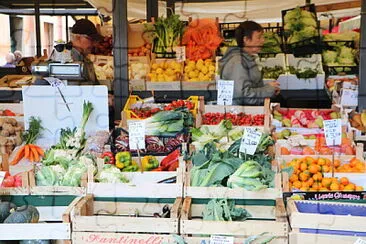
x=333, y=131
x=225, y=92
x=54, y=82
x=349, y=97
x=250, y=140
x=136, y=134
x=180, y=53
x=2, y=176
x=360, y=241
x=221, y=240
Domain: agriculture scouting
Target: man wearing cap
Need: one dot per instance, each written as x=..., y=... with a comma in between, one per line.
x=83, y=36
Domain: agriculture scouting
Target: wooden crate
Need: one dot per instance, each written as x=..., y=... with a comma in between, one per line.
x=23, y=190
x=143, y=184
x=57, y=190
x=112, y=219
x=199, y=85
x=323, y=222
x=252, y=110
x=54, y=222
x=307, y=238
x=231, y=193
x=271, y=219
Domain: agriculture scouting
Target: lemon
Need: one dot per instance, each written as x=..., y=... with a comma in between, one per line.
x=212, y=68
x=193, y=74
x=169, y=72
x=204, y=69
x=159, y=71
x=160, y=77
x=154, y=66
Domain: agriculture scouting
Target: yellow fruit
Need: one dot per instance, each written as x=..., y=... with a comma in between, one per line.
x=204, y=70
x=193, y=74
x=160, y=77
x=154, y=66
x=359, y=188
x=169, y=72
x=212, y=68
x=159, y=71
x=334, y=186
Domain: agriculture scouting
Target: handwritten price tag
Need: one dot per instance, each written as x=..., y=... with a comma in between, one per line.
x=360, y=241
x=180, y=53
x=2, y=176
x=333, y=131
x=221, y=240
x=136, y=134
x=250, y=140
x=349, y=97
x=54, y=82
x=225, y=92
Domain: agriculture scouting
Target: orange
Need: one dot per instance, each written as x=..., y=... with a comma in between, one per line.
x=344, y=181
x=353, y=162
x=310, y=181
x=308, y=151
x=285, y=151
x=313, y=189
x=309, y=160
x=350, y=187
x=304, y=188
x=334, y=186
x=305, y=184
x=341, y=187
x=303, y=176
x=321, y=161
x=326, y=182
x=316, y=185
x=337, y=163
x=325, y=169
x=359, y=188
x=303, y=166
x=313, y=168
x=360, y=167
x=318, y=176
x=323, y=189
x=297, y=184
x=294, y=178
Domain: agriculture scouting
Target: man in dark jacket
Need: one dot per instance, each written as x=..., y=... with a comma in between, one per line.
x=239, y=64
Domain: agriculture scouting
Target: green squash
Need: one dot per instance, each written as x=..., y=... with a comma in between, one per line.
x=23, y=214
x=5, y=208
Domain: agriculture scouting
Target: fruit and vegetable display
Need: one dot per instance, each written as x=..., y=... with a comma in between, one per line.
x=165, y=71
x=240, y=119
x=304, y=73
x=142, y=51
x=341, y=56
x=224, y=210
x=272, y=43
x=138, y=71
x=335, y=83
x=201, y=70
x=358, y=120
x=305, y=118
x=308, y=174
x=300, y=24
x=10, y=134
x=201, y=38
x=12, y=180
x=104, y=47
x=11, y=214
x=272, y=72
x=104, y=70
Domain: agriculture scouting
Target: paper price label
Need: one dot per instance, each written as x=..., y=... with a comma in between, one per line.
x=333, y=131
x=250, y=140
x=180, y=53
x=2, y=176
x=54, y=82
x=225, y=92
x=221, y=240
x=349, y=97
x=136, y=134
x=360, y=241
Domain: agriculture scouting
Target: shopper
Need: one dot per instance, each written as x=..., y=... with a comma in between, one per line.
x=239, y=64
x=10, y=59
x=18, y=57
x=83, y=37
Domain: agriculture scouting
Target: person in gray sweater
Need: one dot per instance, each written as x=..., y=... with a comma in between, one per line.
x=239, y=64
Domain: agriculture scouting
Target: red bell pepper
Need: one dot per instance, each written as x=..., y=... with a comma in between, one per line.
x=171, y=159
x=108, y=158
x=8, y=112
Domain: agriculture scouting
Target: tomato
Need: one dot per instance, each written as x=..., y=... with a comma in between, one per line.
x=8, y=181
x=18, y=180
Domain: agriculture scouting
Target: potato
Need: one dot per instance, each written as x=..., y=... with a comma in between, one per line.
x=2, y=121
x=3, y=140
x=18, y=140
x=11, y=121
x=9, y=128
x=4, y=133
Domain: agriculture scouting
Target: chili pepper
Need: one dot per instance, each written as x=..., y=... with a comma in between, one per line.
x=149, y=163
x=108, y=158
x=123, y=159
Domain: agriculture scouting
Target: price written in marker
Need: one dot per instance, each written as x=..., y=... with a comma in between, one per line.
x=180, y=53
x=333, y=132
x=2, y=176
x=136, y=134
x=250, y=140
x=54, y=82
x=225, y=92
x=360, y=241
x=349, y=97
x=221, y=240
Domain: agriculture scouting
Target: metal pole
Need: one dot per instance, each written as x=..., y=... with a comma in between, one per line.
x=152, y=9
x=120, y=53
x=170, y=7
x=362, y=65
x=38, y=28
x=67, y=27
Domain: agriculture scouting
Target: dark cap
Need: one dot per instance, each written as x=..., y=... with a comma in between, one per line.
x=86, y=27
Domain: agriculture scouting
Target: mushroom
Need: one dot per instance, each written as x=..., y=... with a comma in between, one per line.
x=3, y=140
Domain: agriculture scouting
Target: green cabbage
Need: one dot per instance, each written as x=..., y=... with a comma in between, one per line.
x=73, y=175
x=46, y=176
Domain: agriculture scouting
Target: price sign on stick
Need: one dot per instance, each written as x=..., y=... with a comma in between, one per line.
x=180, y=53
x=136, y=134
x=250, y=140
x=221, y=240
x=2, y=176
x=54, y=82
x=333, y=132
x=225, y=92
x=349, y=97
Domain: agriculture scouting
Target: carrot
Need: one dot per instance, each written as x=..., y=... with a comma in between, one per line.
x=39, y=150
x=31, y=157
x=35, y=153
x=18, y=156
x=26, y=151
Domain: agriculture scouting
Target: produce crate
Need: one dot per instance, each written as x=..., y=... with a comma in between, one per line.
x=142, y=184
x=199, y=85
x=271, y=62
x=137, y=84
x=327, y=220
x=103, y=66
x=23, y=190
x=341, y=69
x=309, y=238
x=252, y=110
x=116, y=218
x=267, y=216
x=57, y=190
x=231, y=193
x=54, y=219
x=164, y=85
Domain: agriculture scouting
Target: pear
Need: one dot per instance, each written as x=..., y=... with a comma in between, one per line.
x=286, y=122
x=335, y=115
x=319, y=121
x=286, y=133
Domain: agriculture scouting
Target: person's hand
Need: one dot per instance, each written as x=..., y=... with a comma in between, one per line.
x=275, y=84
x=277, y=91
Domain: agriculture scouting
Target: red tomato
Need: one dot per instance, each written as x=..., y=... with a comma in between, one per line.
x=18, y=180
x=8, y=181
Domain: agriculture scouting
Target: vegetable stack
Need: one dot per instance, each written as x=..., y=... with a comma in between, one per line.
x=30, y=151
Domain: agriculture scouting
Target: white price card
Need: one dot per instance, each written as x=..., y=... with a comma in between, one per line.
x=333, y=131
x=221, y=240
x=2, y=176
x=180, y=53
x=54, y=82
x=349, y=97
x=250, y=140
x=225, y=92
x=360, y=241
x=136, y=134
